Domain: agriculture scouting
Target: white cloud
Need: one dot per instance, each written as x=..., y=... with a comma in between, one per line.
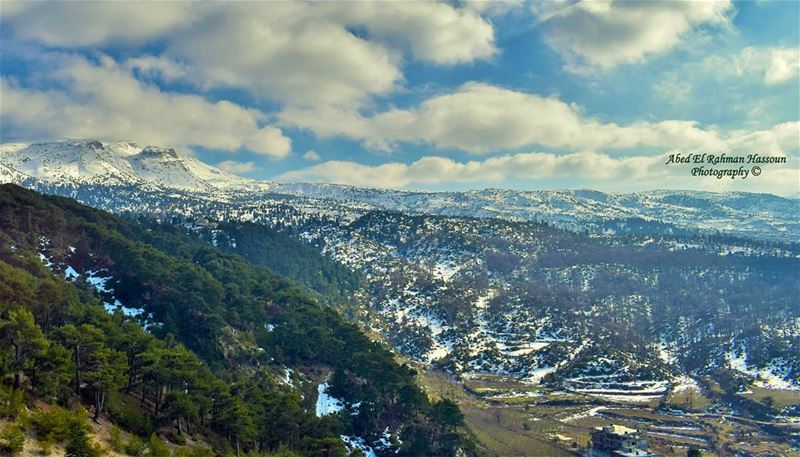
x=480, y=118
x=103, y=100
x=767, y=65
x=604, y=34
x=292, y=52
x=156, y=67
x=750, y=85
x=84, y=24
x=585, y=169
x=269, y=141
x=232, y=166
x=311, y=156
x=784, y=66
x=431, y=31
x=435, y=170
x=494, y=7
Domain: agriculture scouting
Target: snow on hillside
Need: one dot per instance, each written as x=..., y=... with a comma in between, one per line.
x=93, y=162
x=121, y=163
x=327, y=404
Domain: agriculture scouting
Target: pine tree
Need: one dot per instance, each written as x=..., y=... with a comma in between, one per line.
x=78, y=444
x=105, y=372
x=23, y=338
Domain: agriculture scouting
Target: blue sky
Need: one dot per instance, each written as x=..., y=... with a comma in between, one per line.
x=420, y=95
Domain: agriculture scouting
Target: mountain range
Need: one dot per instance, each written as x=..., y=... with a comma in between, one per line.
x=616, y=298
x=91, y=162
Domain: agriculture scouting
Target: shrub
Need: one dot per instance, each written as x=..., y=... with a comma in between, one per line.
x=157, y=447
x=11, y=402
x=46, y=445
x=52, y=424
x=135, y=446
x=200, y=451
x=12, y=439
x=177, y=438
x=130, y=418
x=116, y=439
x=77, y=442
x=197, y=451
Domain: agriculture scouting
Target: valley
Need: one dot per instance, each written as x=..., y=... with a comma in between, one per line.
x=542, y=314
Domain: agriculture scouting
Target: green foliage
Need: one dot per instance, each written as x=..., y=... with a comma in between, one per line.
x=135, y=446
x=50, y=373
x=12, y=439
x=52, y=423
x=179, y=406
x=193, y=451
x=77, y=442
x=322, y=277
x=177, y=438
x=157, y=447
x=11, y=402
x=46, y=445
x=105, y=372
x=446, y=414
x=130, y=418
x=283, y=452
x=115, y=439
x=22, y=339
x=197, y=368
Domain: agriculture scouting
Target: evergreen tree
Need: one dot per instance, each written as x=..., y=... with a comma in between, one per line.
x=77, y=443
x=20, y=335
x=105, y=372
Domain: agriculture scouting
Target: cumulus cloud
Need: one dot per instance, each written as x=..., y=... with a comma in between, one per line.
x=587, y=169
x=232, y=166
x=84, y=24
x=431, y=31
x=82, y=98
x=293, y=52
x=784, y=66
x=604, y=34
x=435, y=170
x=311, y=156
x=481, y=118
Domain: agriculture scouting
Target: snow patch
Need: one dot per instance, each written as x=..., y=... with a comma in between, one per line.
x=354, y=442
x=772, y=376
x=327, y=404
x=70, y=273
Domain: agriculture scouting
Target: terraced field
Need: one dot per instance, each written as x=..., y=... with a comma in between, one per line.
x=512, y=418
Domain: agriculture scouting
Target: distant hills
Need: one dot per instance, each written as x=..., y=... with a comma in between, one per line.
x=91, y=162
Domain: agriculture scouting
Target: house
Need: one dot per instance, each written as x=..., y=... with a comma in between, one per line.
x=618, y=441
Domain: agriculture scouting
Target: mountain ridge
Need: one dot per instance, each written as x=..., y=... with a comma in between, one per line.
x=91, y=162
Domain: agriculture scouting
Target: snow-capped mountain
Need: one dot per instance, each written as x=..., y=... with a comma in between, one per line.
x=91, y=162
x=121, y=163
x=626, y=295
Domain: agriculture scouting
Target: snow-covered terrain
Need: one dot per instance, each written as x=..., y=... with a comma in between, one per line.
x=122, y=163
x=472, y=283
x=91, y=162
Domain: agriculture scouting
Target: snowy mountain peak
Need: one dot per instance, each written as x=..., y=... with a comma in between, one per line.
x=89, y=161
x=114, y=164
x=155, y=152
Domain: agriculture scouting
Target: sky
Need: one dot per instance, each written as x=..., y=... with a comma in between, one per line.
x=420, y=95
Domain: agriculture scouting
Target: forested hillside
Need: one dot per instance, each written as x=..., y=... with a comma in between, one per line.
x=159, y=331
x=318, y=275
